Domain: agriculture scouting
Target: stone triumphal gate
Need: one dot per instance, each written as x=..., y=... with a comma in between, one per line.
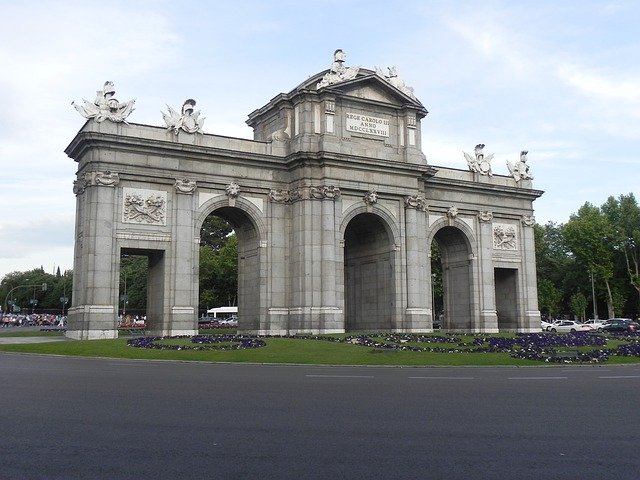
x=334, y=206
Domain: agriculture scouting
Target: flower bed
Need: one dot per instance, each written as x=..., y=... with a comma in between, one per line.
x=552, y=348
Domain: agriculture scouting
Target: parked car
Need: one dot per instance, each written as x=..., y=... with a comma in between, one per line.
x=596, y=325
x=554, y=322
x=565, y=326
x=545, y=325
x=621, y=325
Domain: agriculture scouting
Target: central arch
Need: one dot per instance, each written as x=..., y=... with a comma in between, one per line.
x=369, y=266
x=249, y=278
x=455, y=252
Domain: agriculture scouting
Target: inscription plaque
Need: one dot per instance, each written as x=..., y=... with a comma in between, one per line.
x=366, y=124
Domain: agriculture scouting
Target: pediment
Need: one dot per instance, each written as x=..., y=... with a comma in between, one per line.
x=367, y=85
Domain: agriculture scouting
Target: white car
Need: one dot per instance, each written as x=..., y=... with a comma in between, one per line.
x=544, y=325
x=596, y=325
x=566, y=326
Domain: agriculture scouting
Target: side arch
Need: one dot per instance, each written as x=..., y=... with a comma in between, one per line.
x=247, y=222
x=458, y=250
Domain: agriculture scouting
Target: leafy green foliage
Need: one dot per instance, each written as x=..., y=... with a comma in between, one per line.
x=48, y=300
x=579, y=305
x=134, y=270
x=215, y=232
x=219, y=269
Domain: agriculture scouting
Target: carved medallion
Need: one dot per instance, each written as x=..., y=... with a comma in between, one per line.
x=452, y=212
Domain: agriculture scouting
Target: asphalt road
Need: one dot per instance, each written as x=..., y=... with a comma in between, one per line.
x=74, y=418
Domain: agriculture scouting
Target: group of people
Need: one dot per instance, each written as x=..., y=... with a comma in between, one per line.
x=34, y=319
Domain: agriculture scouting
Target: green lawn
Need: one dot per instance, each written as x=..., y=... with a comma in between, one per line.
x=297, y=351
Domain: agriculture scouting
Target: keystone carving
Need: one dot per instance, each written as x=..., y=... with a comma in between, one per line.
x=232, y=190
x=371, y=197
x=485, y=216
x=280, y=196
x=416, y=201
x=528, y=220
x=184, y=185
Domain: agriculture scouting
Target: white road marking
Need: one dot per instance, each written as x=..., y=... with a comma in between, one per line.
x=445, y=378
x=537, y=378
x=339, y=376
x=622, y=376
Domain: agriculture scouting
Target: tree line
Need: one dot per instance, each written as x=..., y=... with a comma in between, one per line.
x=590, y=264
x=594, y=255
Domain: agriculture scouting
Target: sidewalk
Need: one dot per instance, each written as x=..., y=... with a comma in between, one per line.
x=5, y=340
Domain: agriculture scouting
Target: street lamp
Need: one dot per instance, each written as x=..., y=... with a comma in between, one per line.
x=124, y=298
x=6, y=300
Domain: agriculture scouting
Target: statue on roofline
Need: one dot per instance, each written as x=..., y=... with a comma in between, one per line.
x=105, y=106
x=479, y=163
x=338, y=72
x=393, y=79
x=188, y=120
x=520, y=170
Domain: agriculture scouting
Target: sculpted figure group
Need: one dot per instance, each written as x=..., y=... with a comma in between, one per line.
x=479, y=163
x=107, y=107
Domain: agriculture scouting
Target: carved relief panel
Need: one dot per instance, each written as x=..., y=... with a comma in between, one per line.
x=144, y=207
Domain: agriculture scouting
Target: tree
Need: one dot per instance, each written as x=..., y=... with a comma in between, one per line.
x=591, y=238
x=549, y=297
x=219, y=274
x=24, y=296
x=215, y=232
x=579, y=305
x=624, y=215
x=557, y=270
x=134, y=271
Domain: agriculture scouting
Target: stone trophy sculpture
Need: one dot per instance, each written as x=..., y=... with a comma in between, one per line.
x=188, y=120
x=105, y=106
x=520, y=170
x=479, y=163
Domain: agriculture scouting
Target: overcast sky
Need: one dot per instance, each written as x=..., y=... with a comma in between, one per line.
x=558, y=78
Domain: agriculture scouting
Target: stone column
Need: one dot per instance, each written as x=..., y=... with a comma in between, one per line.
x=487, y=289
x=529, y=319
x=279, y=259
x=183, y=314
x=94, y=312
x=419, y=311
x=331, y=316
x=314, y=264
